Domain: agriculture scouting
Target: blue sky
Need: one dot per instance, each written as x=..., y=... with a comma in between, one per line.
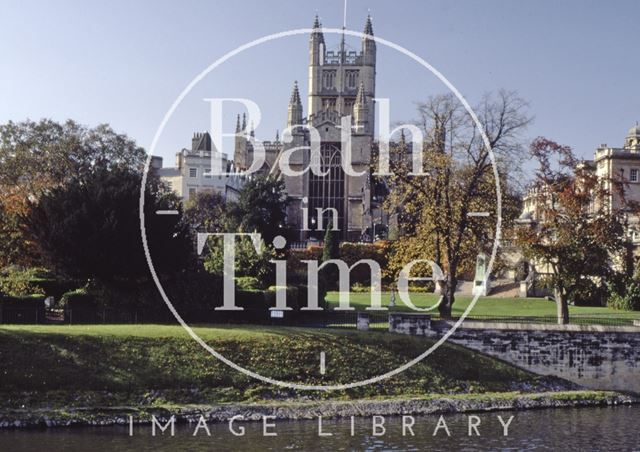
x=124, y=62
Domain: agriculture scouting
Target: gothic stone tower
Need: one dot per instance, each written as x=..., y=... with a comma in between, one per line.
x=341, y=83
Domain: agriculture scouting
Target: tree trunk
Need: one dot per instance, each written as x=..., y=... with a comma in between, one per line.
x=448, y=289
x=562, y=307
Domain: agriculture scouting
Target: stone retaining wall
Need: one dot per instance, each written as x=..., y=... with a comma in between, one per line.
x=597, y=357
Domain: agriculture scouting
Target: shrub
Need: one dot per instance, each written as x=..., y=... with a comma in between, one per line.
x=248, y=283
x=422, y=286
x=18, y=282
x=251, y=299
x=293, y=296
x=77, y=299
x=627, y=299
x=247, y=260
x=22, y=309
x=297, y=271
x=21, y=300
x=360, y=276
x=588, y=293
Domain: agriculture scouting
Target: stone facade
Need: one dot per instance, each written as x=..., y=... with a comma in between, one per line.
x=341, y=83
x=191, y=173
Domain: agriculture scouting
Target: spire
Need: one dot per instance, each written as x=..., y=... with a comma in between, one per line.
x=368, y=44
x=294, y=116
x=252, y=132
x=316, y=43
x=295, y=95
x=368, y=27
x=277, y=135
x=244, y=121
x=317, y=30
x=238, y=124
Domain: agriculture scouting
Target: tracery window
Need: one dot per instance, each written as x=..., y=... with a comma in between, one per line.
x=327, y=191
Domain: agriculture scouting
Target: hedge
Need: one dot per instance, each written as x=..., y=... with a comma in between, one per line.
x=77, y=299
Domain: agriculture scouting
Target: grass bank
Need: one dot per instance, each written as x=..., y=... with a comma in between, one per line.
x=107, y=365
x=487, y=306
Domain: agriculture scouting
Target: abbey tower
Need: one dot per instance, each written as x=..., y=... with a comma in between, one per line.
x=341, y=84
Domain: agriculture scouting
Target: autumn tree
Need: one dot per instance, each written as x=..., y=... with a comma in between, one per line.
x=433, y=209
x=36, y=157
x=576, y=229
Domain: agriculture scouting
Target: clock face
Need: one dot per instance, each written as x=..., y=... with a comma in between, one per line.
x=334, y=173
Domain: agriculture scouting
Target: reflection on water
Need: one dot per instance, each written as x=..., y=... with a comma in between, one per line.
x=609, y=429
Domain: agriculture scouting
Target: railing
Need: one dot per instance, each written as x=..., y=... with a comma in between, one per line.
x=22, y=315
x=378, y=320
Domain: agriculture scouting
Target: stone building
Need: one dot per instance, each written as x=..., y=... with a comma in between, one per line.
x=610, y=164
x=341, y=83
x=191, y=174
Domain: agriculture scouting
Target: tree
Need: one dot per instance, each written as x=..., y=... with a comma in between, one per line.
x=576, y=230
x=208, y=212
x=89, y=227
x=433, y=210
x=262, y=207
x=36, y=157
x=248, y=261
x=331, y=248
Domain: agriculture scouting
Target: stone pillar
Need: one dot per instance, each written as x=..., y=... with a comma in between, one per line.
x=523, y=289
x=362, y=324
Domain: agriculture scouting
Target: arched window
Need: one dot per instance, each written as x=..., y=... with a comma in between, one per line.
x=327, y=191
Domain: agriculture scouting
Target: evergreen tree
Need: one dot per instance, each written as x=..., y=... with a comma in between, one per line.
x=328, y=277
x=331, y=245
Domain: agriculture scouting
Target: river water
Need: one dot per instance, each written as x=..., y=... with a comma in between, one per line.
x=606, y=429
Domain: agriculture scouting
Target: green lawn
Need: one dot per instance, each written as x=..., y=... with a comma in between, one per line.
x=146, y=364
x=487, y=306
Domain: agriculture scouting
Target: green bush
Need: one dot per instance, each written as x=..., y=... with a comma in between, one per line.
x=248, y=283
x=588, y=293
x=76, y=299
x=293, y=296
x=422, y=287
x=18, y=282
x=21, y=300
x=350, y=253
x=265, y=299
x=627, y=299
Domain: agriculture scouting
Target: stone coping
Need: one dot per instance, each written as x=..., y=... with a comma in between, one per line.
x=476, y=325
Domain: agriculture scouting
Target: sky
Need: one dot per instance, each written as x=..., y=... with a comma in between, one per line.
x=124, y=63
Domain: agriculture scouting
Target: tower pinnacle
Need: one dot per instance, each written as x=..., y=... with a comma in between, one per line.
x=295, y=95
x=294, y=116
x=368, y=27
